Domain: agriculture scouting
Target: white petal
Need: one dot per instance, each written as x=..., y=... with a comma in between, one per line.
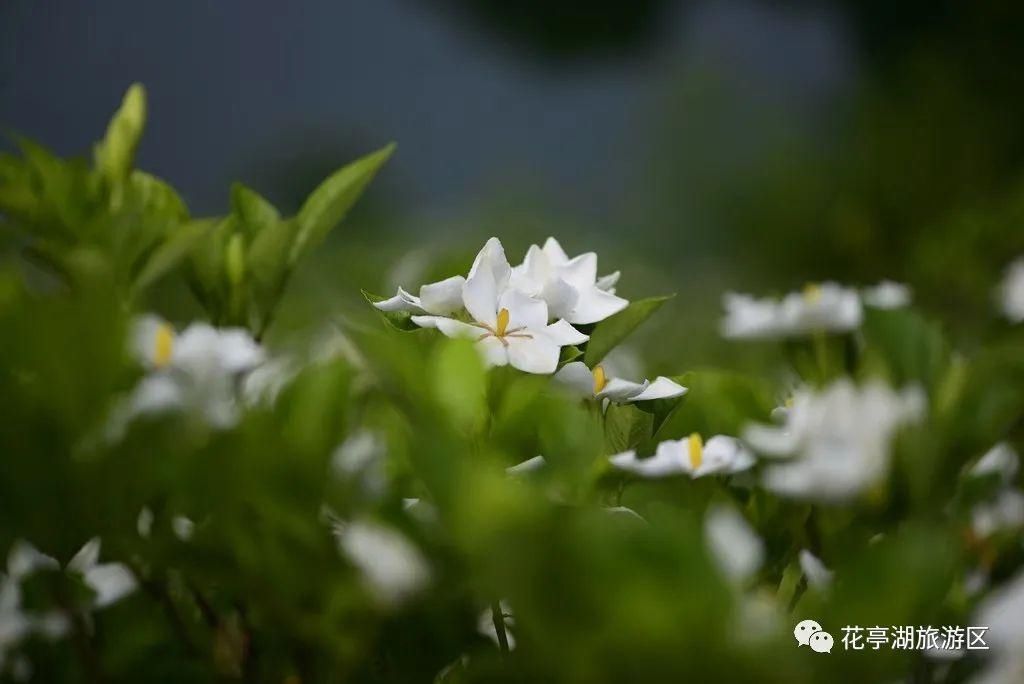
x=595, y=305
x=238, y=351
x=24, y=559
x=576, y=377
x=111, y=582
x=155, y=394
x=724, y=455
x=523, y=311
x=527, y=466
x=738, y=551
x=491, y=260
x=563, y=334
x=608, y=282
x=621, y=390
x=668, y=460
x=661, y=388
x=1001, y=459
x=402, y=301
x=887, y=295
x=392, y=567
x=449, y=326
x=493, y=351
x=183, y=527
x=443, y=297
x=144, y=522
x=771, y=441
x=480, y=296
x=818, y=576
x=538, y=354
x=580, y=271
x=554, y=251
x=86, y=557
x=560, y=296
x=143, y=336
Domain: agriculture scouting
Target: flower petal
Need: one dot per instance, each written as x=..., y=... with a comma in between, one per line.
x=563, y=334
x=595, y=305
x=111, y=582
x=621, y=390
x=580, y=271
x=480, y=295
x=494, y=352
x=536, y=354
x=444, y=296
x=661, y=388
x=527, y=466
x=402, y=301
x=576, y=377
x=554, y=252
x=491, y=259
x=560, y=296
x=608, y=282
x=86, y=557
x=449, y=326
x=523, y=311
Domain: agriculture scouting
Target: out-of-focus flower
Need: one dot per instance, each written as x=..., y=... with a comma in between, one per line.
x=197, y=369
x=509, y=327
x=1003, y=614
x=1001, y=460
x=570, y=287
x=109, y=581
x=734, y=545
x=887, y=295
x=818, y=576
x=689, y=456
x=826, y=307
x=485, y=625
x=596, y=383
x=1012, y=292
x=360, y=459
x=392, y=567
x=1005, y=512
x=840, y=439
x=23, y=559
x=528, y=466
x=261, y=386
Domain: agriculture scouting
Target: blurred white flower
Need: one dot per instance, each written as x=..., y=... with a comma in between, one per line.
x=570, y=287
x=733, y=544
x=818, y=576
x=109, y=581
x=508, y=326
x=1001, y=460
x=360, y=458
x=23, y=559
x=183, y=527
x=528, y=466
x=1003, y=613
x=262, y=384
x=485, y=625
x=1006, y=512
x=1012, y=292
x=839, y=437
x=580, y=379
x=197, y=369
x=144, y=522
x=392, y=567
x=688, y=456
x=887, y=295
x=825, y=307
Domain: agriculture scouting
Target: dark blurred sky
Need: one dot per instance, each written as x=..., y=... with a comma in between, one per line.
x=276, y=93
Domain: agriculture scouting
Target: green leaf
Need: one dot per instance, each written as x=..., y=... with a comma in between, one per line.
x=255, y=213
x=459, y=383
x=172, y=251
x=115, y=154
x=327, y=205
x=400, y=320
x=625, y=427
x=156, y=197
x=905, y=346
x=611, y=331
x=718, y=402
x=568, y=355
x=662, y=409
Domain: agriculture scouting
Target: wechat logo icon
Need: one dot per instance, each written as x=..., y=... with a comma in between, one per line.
x=810, y=633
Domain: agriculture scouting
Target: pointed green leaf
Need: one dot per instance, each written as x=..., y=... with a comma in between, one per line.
x=611, y=331
x=156, y=197
x=327, y=205
x=177, y=245
x=625, y=427
x=115, y=154
x=255, y=212
x=400, y=320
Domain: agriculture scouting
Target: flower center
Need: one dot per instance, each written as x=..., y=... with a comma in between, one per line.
x=163, y=345
x=812, y=293
x=696, y=445
x=600, y=379
x=502, y=323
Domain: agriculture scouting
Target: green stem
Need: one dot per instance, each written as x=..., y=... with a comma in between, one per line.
x=499, y=626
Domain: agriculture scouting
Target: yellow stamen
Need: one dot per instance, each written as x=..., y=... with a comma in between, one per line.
x=163, y=345
x=600, y=379
x=696, y=450
x=812, y=292
x=502, y=322
x=789, y=402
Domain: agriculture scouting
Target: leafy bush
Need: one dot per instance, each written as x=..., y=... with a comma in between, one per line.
x=466, y=490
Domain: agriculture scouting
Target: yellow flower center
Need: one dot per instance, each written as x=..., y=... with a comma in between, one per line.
x=502, y=323
x=600, y=379
x=163, y=345
x=696, y=445
x=812, y=292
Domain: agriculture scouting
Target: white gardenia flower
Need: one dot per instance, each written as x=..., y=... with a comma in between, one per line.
x=109, y=581
x=688, y=456
x=1003, y=613
x=827, y=307
x=197, y=369
x=1012, y=292
x=509, y=327
x=733, y=544
x=887, y=295
x=392, y=567
x=596, y=383
x=570, y=287
x=839, y=439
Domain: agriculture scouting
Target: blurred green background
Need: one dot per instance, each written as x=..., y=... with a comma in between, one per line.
x=700, y=146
